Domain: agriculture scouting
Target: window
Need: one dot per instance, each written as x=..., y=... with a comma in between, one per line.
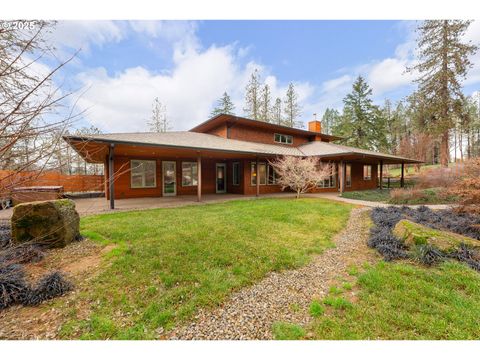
x=236, y=173
x=367, y=172
x=143, y=174
x=189, y=174
x=329, y=182
x=284, y=139
x=271, y=175
x=262, y=173
x=348, y=175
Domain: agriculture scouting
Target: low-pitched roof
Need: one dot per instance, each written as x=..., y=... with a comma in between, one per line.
x=318, y=148
x=191, y=140
x=202, y=141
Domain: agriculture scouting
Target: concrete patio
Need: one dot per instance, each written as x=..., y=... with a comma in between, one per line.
x=101, y=205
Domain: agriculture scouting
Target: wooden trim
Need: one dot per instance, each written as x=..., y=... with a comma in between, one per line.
x=199, y=180
x=111, y=174
x=257, y=178
x=381, y=174
x=402, y=179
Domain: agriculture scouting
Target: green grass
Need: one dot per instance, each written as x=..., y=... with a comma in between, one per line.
x=337, y=303
x=316, y=309
x=410, y=170
x=423, y=196
x=170, y=262
x=287, y=331
x=404, y=301
x=409, y=197
x=368, y=195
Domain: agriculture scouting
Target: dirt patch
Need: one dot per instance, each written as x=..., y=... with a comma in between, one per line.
x=80, y=261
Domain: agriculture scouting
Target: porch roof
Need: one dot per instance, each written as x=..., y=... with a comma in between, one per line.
x=189, y=140
x=323, y=149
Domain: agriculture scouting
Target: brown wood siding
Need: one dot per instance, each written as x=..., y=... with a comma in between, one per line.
x=123, y=186
x=245, y=133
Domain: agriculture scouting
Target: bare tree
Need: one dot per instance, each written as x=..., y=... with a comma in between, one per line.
x=159, y=122
x=32, y=119
x=301, y=174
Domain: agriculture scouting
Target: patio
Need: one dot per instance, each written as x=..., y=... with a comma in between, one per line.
x=101, y=205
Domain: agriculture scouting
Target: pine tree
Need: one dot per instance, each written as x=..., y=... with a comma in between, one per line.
x=330, y=119
x=277, y=117
x=265, y=103
x=361, y=124
x=252, y=97
x=444, y=62
x=159, y=121
x=292, y=109
x=224, y=106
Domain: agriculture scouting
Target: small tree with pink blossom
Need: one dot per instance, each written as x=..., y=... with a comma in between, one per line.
x=300, y=174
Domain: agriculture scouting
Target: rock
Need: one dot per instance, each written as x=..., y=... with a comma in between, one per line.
x=416, y=234
x=53, y=223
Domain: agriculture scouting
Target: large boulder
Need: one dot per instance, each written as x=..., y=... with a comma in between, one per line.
x=415, y=234
x=53, y=223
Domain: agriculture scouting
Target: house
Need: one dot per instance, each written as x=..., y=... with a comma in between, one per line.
x=225, y=154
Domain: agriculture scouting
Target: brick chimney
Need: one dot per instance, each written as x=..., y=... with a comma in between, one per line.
x=315, y=126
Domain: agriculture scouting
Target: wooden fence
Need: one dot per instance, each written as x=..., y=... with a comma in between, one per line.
x=70, y=183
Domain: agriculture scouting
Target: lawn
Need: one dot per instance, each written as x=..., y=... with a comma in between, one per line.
x=408, y=196
x=170, y=262
x=368, y=195
x=402, y=301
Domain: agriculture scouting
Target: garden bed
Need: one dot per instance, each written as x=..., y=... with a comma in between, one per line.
x=392, y=247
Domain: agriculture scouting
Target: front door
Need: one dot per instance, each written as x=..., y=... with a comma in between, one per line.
x=221, y=178
x=169, y=173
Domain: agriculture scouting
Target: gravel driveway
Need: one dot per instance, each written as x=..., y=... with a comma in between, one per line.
x=250, y=313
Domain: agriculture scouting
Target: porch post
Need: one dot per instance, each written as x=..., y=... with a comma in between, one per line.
x=402, y=181
x=199, y=181
x=341, y=176
x=381, y=174
x=257, y=177
x=111, y=175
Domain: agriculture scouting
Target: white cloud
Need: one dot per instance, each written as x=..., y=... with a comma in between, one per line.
x=81, y=34
x=123, y=102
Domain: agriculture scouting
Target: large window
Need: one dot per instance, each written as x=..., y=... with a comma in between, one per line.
x=262, y=173
x=367, y=172
x=271, y=175
x=143, y=174
x=236, y=173
x=189, y=174
x=329, y=182
x=348, y=175
x=283, y=139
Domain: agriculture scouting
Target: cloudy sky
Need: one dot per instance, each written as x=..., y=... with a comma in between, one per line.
x=123, y=66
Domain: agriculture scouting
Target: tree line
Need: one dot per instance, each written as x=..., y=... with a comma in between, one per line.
x=425, y=124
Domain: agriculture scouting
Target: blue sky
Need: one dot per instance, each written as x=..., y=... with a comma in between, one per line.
x=124, y=65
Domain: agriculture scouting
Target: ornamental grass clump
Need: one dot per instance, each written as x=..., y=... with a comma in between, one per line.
x=428, y=255
x=49, y=287
x=14, y=289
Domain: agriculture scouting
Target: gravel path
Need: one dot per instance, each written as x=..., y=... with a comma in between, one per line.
x=250, y=313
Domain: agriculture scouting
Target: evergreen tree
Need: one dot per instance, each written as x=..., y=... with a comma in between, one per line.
x=330, y=119
x=444, y=62
x=361, y=123
x=291, y=108
x=159, y=121
x=252, y=97
x=224, y=106
x=265, y=103
x=277, y=117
